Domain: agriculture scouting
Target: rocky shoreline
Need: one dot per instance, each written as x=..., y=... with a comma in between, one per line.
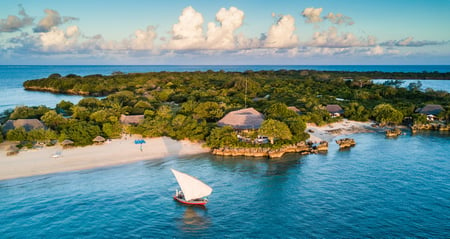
x=302, y=148
x=320, y=136
x=56, y=91
x=433, y=127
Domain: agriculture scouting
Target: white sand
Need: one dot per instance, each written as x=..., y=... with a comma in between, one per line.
x=119, y=151
x=344, y=127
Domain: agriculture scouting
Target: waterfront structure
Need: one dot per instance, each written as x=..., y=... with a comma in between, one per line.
x=335, y=110
x=431, y=111
x=244, y=119
x=99, y=139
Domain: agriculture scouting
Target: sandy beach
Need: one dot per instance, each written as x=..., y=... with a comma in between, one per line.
x=115, y=152
x=345, y=127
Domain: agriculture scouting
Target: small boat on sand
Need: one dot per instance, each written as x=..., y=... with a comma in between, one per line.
x=193, y=191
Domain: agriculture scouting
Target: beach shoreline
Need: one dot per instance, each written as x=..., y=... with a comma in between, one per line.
x=344, y=127
x=56, y=159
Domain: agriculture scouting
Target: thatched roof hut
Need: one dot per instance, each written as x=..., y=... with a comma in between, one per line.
x=27, y=124
x=243, y=119
x=99, y=139
x=12, y=150
x=430, y=110
x=335, y=110
x=131, y=119
x=67, y=142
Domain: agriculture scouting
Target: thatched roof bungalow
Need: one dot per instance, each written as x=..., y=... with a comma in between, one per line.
x=131, y=119
x=430, y=110
x=244, y=119
x=335, y=110
x=67, y=142
x=27, y=124
x=99, y=139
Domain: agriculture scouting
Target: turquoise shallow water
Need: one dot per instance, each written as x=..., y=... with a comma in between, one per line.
x=382, y=188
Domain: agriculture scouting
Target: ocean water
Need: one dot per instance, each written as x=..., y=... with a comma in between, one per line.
x=381, y=188
x=12, y=77
x=441, y=85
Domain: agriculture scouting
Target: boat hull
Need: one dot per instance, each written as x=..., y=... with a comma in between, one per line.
x=192, y=202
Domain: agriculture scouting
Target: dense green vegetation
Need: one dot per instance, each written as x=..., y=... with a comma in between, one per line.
x=187, y=105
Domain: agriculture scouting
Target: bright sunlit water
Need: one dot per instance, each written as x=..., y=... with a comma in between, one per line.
x=381, y=188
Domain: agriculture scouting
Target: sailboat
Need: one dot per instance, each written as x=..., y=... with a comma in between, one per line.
x=193, y=191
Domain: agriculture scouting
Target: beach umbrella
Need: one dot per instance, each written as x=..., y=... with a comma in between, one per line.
x=139, y=141
x=99, y=139
x=13, y=148
x=67, y=142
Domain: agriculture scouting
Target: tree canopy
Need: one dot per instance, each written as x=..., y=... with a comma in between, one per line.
x=187, y=105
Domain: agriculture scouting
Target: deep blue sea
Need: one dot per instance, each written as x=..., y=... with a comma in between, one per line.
x=13, y=94
x=381, y=188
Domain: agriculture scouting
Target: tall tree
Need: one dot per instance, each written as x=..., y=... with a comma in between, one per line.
x=52, y=119
x=221, y=137
x=385, y=114
x=275, y=129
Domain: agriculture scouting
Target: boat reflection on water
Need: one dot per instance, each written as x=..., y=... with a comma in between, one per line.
x=194, y=220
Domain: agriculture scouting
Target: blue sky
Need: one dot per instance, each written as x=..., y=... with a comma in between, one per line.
x=303, y=32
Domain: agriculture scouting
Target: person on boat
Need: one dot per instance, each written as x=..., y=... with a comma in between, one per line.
x=180, y=194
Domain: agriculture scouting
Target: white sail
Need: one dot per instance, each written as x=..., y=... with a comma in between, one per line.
x=192, y=187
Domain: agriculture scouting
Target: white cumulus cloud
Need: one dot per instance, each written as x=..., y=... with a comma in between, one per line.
x=51, y=19
x=222, y=36
x=59, y=40
x=281, y=34
x=312, y=15
x=331, y=38
x=375, y=51
x=188, y=32
x=14, y=23
x=143, y=39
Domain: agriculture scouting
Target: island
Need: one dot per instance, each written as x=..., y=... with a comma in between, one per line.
x=251, y=113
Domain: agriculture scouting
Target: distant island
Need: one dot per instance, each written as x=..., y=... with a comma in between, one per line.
x=102, y=85
x=252, y=109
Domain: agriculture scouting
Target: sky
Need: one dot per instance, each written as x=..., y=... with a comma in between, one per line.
x=215, y=32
